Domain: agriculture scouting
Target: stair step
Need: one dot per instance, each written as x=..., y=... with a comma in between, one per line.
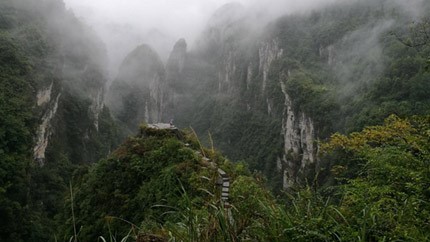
x=221, y=172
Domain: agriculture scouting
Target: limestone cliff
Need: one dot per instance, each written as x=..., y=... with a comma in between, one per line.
x=69, y=85
x=45, y=128
x=241, y=99
x=267, y=53
x=299, y=151
x=174, y=74
x=138, y=93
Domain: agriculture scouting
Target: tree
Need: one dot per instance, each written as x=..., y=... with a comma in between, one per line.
x=383, y=175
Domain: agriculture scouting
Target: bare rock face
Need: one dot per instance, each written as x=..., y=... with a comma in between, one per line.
x=299, y=151
x=138, y=94
x=44, y=131
x=45, y=128
x=268, y=52
x=54, y=104
x=174, y=77
x=69, y=88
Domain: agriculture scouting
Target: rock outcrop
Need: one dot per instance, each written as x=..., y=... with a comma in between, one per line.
x=138, y=93
x=45, y=130
x=268, y=52
x=299, y=151
x=174, y=76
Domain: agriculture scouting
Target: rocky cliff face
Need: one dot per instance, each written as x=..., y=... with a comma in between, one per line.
x=299, y=151
x=139, y=92
x=242, y=101
x=174, y=74
x=45, y=128
x=267, y=53
x=298, y=154
x=69, y=82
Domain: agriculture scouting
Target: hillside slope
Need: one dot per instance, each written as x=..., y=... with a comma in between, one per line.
x=161, y=185
x=52, y=112
x=154, y=180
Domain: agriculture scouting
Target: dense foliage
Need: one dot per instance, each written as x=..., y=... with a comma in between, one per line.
x=347, y=66
x=36, y=54
x=380, y=193
x=17, y=126
x=148, y=180
x=382, y=179
x=352, y=68
x=155, y=186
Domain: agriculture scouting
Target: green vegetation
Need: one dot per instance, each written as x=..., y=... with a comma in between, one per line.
x=348, y=67
x=36, y=54
x=156, y=187
x=381, y=177
x=17, y=126
x=144, y=182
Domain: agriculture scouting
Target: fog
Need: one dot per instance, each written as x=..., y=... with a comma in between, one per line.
x=124, y=24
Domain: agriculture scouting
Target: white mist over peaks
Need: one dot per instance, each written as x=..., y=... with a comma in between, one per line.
x=125, y=24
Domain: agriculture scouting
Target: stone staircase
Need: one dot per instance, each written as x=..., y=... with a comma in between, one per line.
x=225, y=187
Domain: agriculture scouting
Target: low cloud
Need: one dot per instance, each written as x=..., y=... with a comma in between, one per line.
x=125, y=24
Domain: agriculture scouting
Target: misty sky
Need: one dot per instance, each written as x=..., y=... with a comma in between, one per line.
x=124, y=24
x=176, y=17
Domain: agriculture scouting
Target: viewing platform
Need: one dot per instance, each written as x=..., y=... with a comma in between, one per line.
x=162, y=126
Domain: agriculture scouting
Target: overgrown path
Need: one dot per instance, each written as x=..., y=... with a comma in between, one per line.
x=224, y=179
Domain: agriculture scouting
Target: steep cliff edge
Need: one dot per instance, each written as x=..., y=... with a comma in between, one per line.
x=300, y=149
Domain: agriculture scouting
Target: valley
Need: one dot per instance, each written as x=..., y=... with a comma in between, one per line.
x=307, y=126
